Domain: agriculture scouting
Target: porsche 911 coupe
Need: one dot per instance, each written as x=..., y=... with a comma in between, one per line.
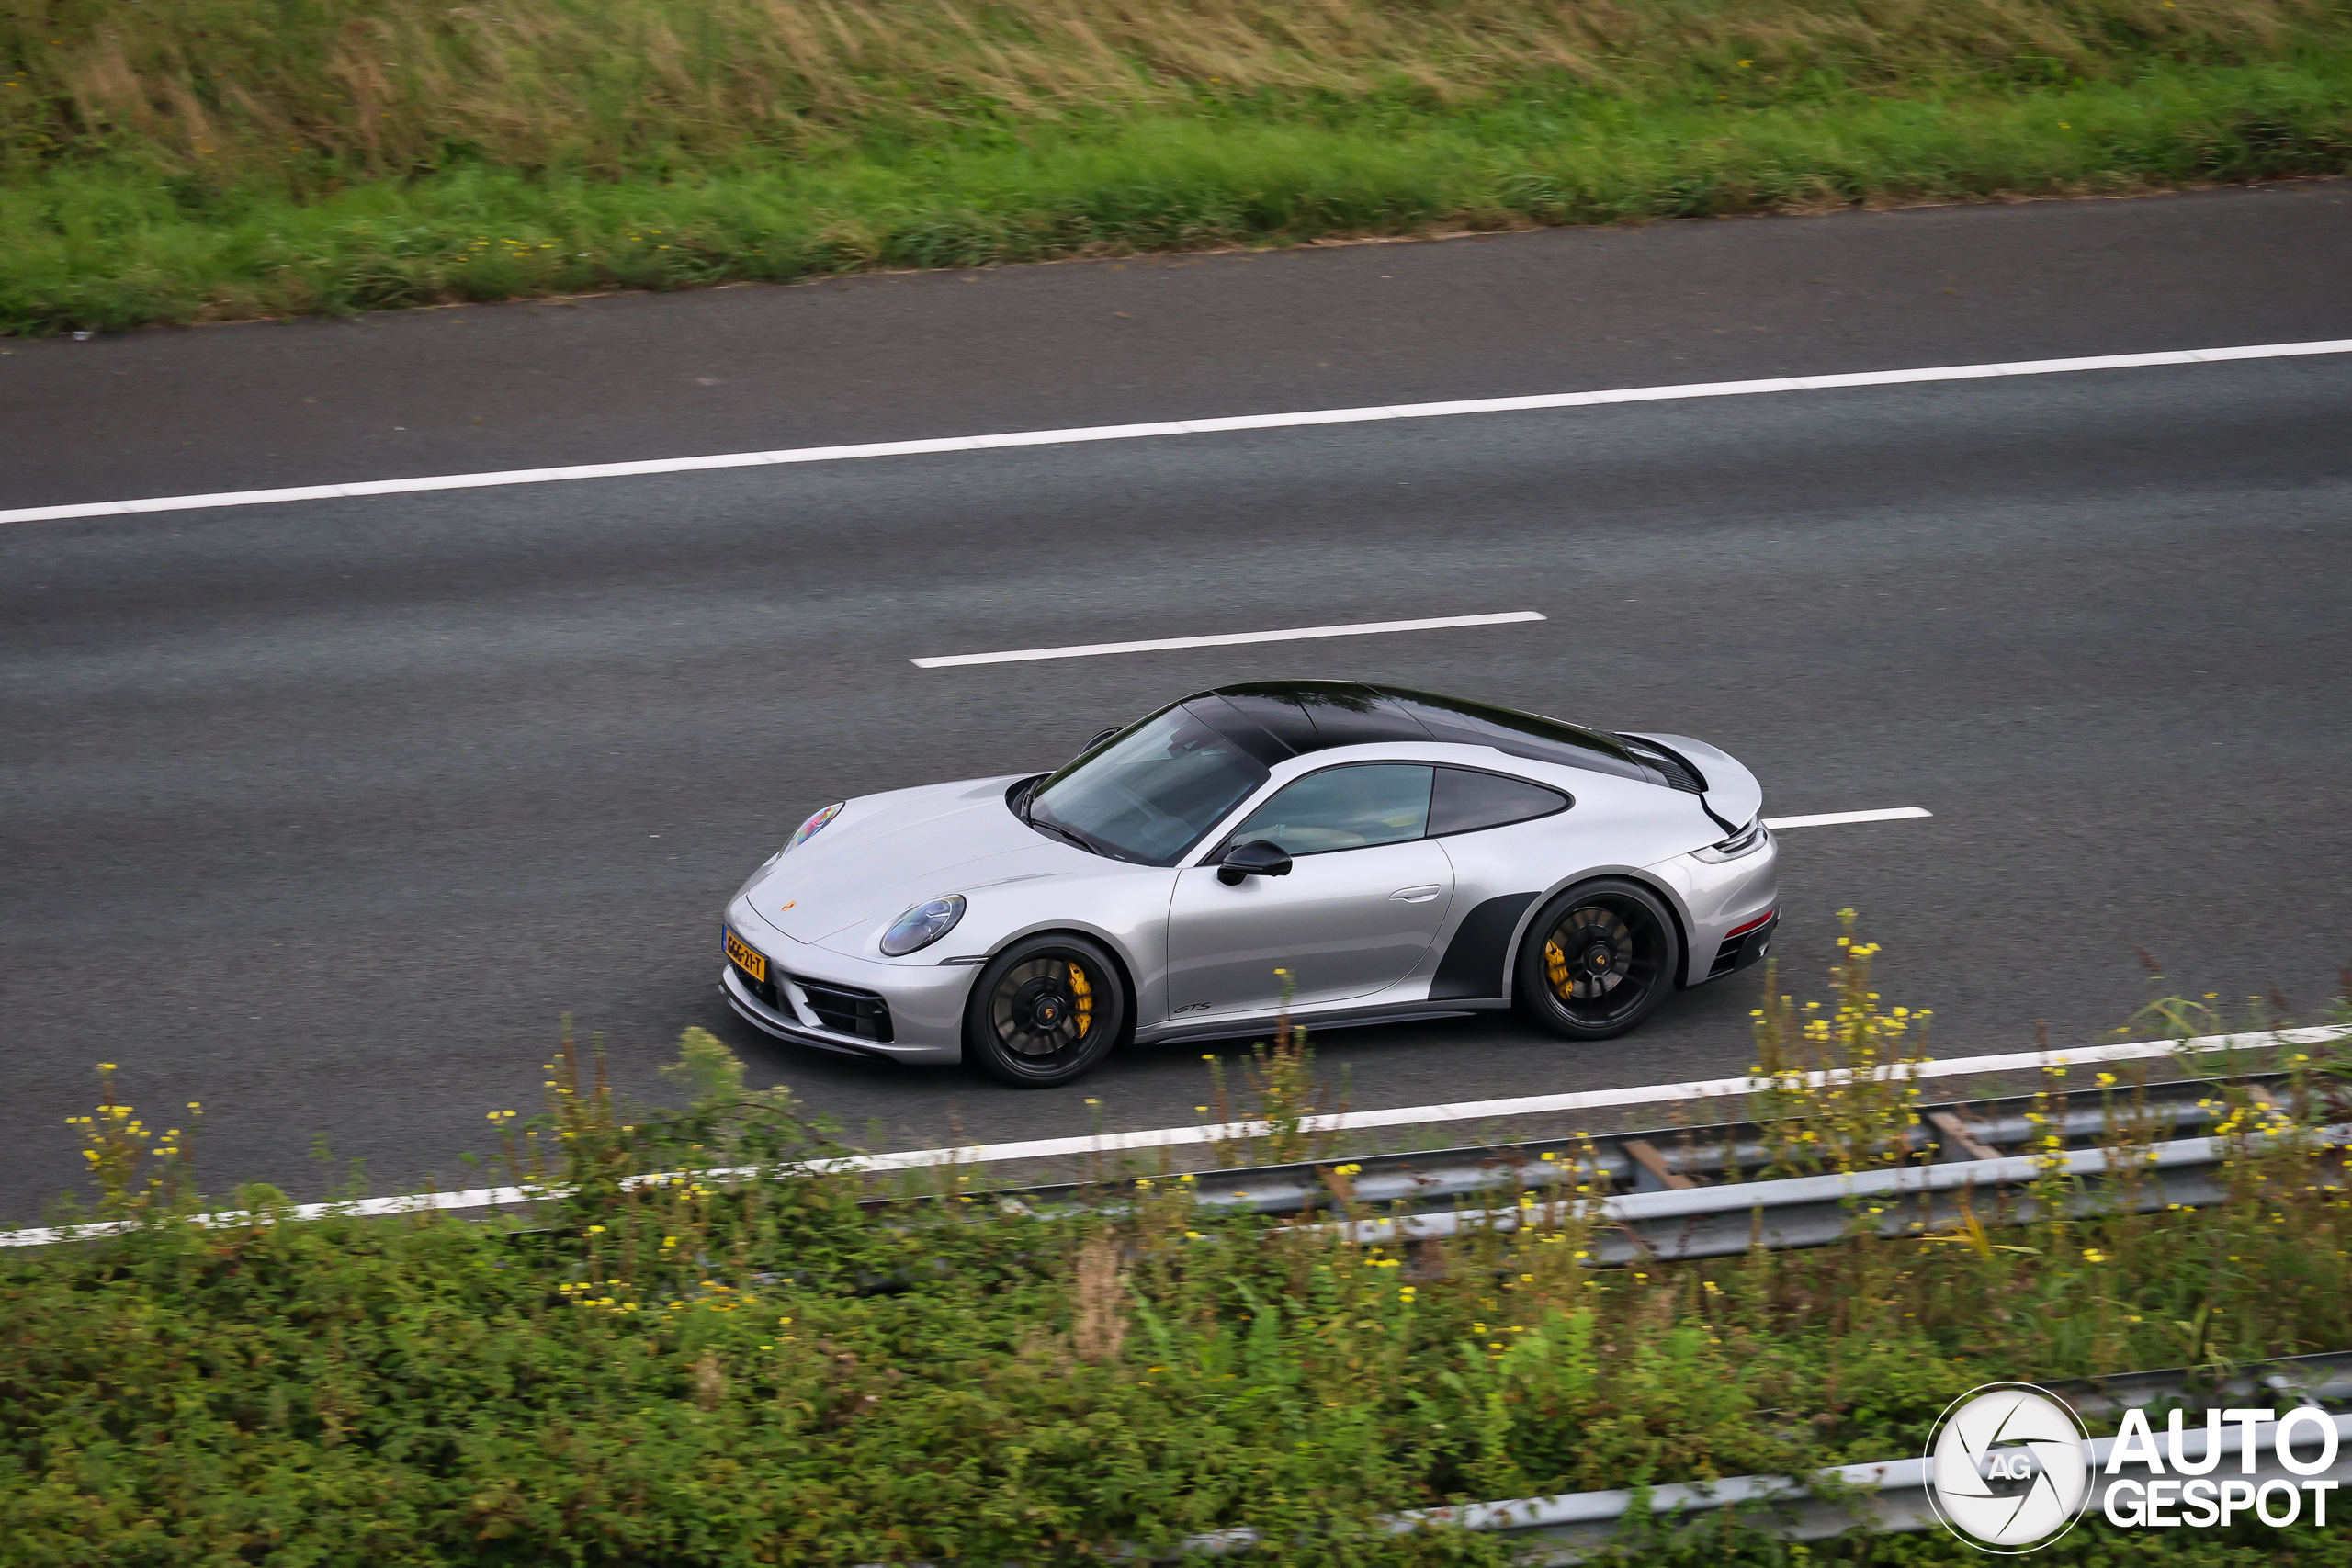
x=1377, y=853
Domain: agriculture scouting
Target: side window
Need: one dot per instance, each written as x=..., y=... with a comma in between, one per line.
x=1345, y=808
x=1465, y=801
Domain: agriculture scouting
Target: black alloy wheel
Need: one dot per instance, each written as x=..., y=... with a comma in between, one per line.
x=1599, y=959
x=1043, y=1012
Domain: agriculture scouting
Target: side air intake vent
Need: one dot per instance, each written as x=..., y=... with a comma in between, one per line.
x=1679, y=773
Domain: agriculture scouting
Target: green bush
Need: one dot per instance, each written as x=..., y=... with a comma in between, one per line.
x=712, y=1345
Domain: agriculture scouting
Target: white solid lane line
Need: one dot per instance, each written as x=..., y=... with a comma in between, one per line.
x=1295, y=633
x=1175, y=427
x=1835, y=818
x=1724, y=1089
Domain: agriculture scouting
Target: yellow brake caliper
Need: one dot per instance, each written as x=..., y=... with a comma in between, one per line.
x=1555, y=967
x=1084, y=996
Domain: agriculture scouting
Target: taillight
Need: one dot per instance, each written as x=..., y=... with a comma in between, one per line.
x=1747, y=840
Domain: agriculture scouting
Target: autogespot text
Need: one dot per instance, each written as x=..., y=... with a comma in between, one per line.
x=2173, y=1492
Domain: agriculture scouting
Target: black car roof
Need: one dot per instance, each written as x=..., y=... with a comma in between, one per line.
x=1277, y=719
x=1309, y=715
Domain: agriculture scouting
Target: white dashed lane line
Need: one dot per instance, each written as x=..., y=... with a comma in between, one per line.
x=1295, y=634
x=1838, y=819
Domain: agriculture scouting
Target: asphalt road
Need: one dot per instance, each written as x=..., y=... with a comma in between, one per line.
x=322, y=813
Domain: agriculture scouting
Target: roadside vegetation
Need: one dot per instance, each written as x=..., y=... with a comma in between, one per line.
x=690, y=1368
x=183, y=160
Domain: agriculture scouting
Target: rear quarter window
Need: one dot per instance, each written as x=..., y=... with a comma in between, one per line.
x=1463, y=800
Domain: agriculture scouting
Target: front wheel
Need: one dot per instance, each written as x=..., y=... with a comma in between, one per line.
x=1599, y=959
x=1043, y=1012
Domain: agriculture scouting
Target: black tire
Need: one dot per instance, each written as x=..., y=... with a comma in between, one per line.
x=1043, y=1012
x=1599, y=959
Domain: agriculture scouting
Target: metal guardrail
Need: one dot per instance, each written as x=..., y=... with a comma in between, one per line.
x=2323, y=1380
x=1814, y=1211
x=1882, y=1495
x=1886, y=1496
x=1685, y=1192
x=1673, y=1158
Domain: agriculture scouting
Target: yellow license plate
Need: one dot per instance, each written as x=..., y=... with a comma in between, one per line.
x=748, y=959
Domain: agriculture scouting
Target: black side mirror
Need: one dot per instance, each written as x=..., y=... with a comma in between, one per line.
x=1256, y=858
x=1099, y=738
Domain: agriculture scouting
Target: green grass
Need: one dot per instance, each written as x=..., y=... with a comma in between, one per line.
x=187, y=160
x=707, y=1371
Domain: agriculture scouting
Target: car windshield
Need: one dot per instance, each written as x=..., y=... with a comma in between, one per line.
x=1150, y=794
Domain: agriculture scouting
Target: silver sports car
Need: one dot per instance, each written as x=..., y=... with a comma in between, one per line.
x=1383, y=853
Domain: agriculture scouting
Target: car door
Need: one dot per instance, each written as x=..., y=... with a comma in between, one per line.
x=1365, y=897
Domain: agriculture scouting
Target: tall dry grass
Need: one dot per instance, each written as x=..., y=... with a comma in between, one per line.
x=312, y=93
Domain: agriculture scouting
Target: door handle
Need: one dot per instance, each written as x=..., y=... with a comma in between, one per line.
x=1420, y=895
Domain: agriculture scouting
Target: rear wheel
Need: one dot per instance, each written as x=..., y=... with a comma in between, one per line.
x=1599, y=959
x=1043, y=1012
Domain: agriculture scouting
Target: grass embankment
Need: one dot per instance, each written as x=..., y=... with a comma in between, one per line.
x=698, y=1371
x=182, y=159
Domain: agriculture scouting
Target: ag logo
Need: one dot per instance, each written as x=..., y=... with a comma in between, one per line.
x=2008, y=1469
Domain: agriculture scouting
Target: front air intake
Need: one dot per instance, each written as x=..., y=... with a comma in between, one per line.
x=846, y=1009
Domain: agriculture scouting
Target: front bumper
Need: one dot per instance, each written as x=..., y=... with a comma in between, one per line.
x=893, y=1011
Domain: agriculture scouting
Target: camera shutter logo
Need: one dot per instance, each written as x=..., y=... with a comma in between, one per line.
x=2008, y=1468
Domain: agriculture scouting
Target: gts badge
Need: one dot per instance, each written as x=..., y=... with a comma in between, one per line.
x=1196, y=1007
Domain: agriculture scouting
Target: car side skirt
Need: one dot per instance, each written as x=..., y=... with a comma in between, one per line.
x=1339, y=1018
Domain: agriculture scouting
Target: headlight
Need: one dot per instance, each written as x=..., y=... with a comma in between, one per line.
x=922, y=925
x=808, y=831
x=1747, y=841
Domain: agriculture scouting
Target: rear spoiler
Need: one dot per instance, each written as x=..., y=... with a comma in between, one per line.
x=1725, y=788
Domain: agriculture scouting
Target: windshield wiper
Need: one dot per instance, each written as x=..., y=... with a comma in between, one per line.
x=1069, y=835
x=1086, y=842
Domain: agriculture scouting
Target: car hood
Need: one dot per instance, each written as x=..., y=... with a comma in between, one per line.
x=1732, y=795
x=885, y=852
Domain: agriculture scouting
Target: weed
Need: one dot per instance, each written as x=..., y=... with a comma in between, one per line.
x=712, y=1347
x=1840, y=1094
